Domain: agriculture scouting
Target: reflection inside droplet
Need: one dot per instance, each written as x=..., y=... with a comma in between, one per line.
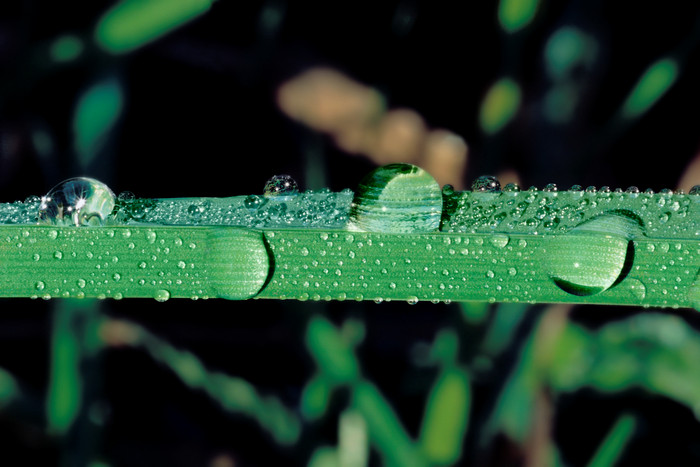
x=77, y=201
x=281, y=185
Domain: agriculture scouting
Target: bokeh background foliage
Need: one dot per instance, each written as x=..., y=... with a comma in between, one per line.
x=202, y=98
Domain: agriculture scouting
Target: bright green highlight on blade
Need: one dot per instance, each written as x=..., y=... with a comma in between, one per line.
x=97, y=111
x=653, y=84
x=132, y=23
x=499, y=105
x=514, y=15
x=613, y=445
x=66, y=48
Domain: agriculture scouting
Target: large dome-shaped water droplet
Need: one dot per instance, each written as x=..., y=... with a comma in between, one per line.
x=398, y=198
x=281, y=185
x=77, y=201
x=594, y=256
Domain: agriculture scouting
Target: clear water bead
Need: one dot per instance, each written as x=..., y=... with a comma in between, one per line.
x=281, y=185
x=77, y=201
x=486, y=183
x=695, y=190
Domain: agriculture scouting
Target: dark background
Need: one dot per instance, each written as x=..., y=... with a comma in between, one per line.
x=200, y=119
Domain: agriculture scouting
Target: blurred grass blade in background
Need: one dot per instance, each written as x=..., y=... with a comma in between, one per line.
x=513, y=15
x=130, y=24
x=652, y=85
x=614, y=443
x=500, y=105
x=96, y=114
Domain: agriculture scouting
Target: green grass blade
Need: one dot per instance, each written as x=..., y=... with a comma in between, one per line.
x=156, y=262
x=614, y=443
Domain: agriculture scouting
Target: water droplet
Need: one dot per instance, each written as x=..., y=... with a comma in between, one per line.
x=40, y=285
x=551, y=187
x=254, y=202
x=181, y=264
x=36, y=256
x=576, y=188
x=151, y=236
x=632, y=189
x=448, y=190
x=142, y=265
x=399, y=198
x=592, y=257
x=161, y=295
x=58, y=254
x=639, y=291
x=81, y=283
x=486, y=183
x=490, y=274
x=77, y=201
x=499, y=240
x=281, y=185
x=195, y=211
x=304, y=251
x=512, y=271
x=511, y=187
x=695, y=190
x=116, y=276
x=412, y=300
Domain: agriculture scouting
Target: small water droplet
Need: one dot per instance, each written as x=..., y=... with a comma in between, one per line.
x=254, y=202
x=81, y=283
x=53, y=234
x=161, y=295
x=58, y=254
x=486, y=183
x=412, y=300
x=281, y=185
x=695, y=190
x=77, y=201
x=511, y=187
x=304, y=251
x=151, y=236
x=116, y=276
x=195, y=211
x=40, y=285
x=499, y=240
x=448, y=190
x=490, y=274
x=551, y=187
x=576, y=188
x=36, y=256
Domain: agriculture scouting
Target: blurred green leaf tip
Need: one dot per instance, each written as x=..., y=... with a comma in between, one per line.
x=653, y=84
x=500, y=105
x=514, y=15
x=131, y=24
